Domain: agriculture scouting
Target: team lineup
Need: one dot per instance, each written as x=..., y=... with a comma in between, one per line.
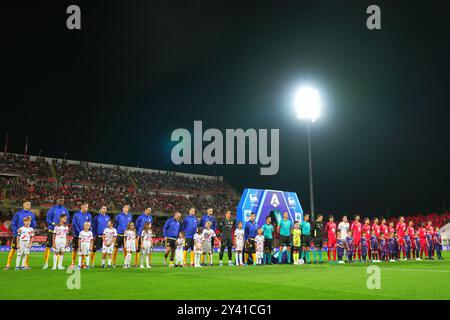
x=253, y=244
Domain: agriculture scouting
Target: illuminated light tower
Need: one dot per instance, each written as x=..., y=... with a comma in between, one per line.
x=308, y=106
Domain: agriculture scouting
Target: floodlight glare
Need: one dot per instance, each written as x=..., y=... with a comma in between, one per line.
x=307, y=103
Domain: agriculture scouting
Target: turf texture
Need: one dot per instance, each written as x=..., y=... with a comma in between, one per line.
x=398, y=280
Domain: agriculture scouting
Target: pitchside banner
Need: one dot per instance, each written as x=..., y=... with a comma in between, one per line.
x=268, y=202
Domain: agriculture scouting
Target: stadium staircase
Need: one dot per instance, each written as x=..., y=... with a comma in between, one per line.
x=135, y=184
x=54, y=173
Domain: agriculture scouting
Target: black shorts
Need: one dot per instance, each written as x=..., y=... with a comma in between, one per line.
x=318, y=242
x=295, y=249
x=139, y=242
x=306, y=240
x=226, y=243
x=171, y=243
x=268, y=244
x=49, y=241
x=98, y=244
x=189, y=244
x=75, y=244
x=285, y=241
x=250, y=245
x=119, y=241
x=14, y=243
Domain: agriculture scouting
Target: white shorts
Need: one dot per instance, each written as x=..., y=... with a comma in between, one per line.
x=107, y=249
x=207, y=246
x=131, y=246
x=24, y=247
x=259, y=254
x=85, y=248
x=239, y=245
x=60, y=244
x=179, y=255
x=198, y=248
x=148, y=247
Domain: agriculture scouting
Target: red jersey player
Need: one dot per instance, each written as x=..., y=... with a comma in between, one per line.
x=410, y=231
x=423, y=240
x=384, y=228
x=356, y=230
x=429, y=227
x=330, y=228
x=400, y=229
x=376, y=227
x=391, y=228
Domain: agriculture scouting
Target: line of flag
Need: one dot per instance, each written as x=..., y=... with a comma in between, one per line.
x=5, y=149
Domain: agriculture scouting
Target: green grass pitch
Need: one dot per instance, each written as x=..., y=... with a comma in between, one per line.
x=399, y=280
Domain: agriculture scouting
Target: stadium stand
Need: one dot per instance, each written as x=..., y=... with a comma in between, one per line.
x=43, y=180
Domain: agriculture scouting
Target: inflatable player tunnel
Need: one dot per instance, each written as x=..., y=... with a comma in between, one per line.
x=265, y=202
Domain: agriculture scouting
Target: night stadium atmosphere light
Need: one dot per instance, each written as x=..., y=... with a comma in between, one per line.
x=307, y=103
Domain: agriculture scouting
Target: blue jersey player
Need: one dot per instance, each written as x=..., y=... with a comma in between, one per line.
x=364, y=247
x=350, y=245
x=438, y=243
x=429, y=239
x=408, y=246
x=383, y=248
x=417, y=244
x=374, y=246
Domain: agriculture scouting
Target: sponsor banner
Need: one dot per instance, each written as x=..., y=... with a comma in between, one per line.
x=264, y=202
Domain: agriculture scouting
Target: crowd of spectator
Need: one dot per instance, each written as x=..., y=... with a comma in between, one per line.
x=81, y=182
x=22, y=165
x=438, y=220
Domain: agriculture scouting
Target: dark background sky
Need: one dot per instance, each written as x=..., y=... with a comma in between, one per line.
x=114, y=91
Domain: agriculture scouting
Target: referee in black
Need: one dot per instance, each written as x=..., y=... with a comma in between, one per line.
x=226, y=227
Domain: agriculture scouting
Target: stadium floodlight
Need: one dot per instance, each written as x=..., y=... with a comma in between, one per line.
x=308, y=106
x=307, y=103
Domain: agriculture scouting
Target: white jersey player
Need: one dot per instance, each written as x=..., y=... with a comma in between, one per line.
x=180, y=243
x=109, y=240
x=24, y=238
x=109, y=234
x=344, y=226
x=198, y=247
x=147, y=241
x=259, y=240
x=85, y=239
x=85, y=244
x=208, y=234
x=59, y=243
x=146, y=245
x=239, y=236
x=129, y=237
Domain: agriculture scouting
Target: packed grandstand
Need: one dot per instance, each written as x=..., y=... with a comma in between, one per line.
x=42, y=180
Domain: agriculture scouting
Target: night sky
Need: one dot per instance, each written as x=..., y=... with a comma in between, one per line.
x=115, y=90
